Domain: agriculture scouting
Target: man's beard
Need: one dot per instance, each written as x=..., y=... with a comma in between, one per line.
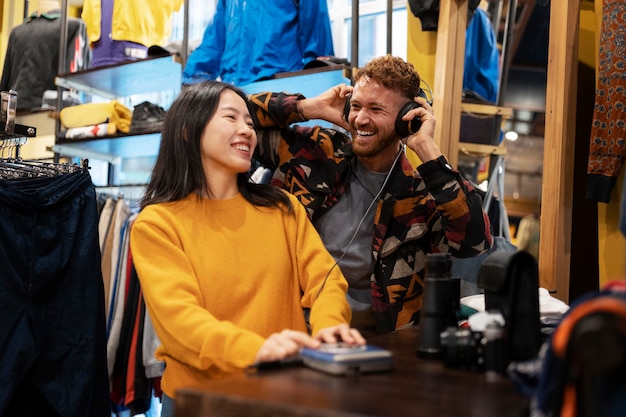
x=372, y=149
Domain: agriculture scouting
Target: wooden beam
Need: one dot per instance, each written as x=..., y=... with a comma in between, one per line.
x=557, y=186
x=487, y=109
x=479, y=149
x=448, y=89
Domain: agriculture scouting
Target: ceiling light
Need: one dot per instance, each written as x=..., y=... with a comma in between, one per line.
x=511, y=135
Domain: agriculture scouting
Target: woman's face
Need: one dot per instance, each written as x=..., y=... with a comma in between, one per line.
x=228, y=139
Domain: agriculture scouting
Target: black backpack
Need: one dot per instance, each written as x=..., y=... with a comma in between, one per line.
x=510, y=281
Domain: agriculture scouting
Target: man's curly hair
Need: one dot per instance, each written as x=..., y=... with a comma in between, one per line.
x=393, y=73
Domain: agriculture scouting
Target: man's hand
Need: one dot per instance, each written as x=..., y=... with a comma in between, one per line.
x=327, y=106
x=422, y=142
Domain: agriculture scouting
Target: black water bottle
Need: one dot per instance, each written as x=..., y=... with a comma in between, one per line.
x=439, y=306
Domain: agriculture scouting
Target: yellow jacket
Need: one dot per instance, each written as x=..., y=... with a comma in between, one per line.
x=147, y=22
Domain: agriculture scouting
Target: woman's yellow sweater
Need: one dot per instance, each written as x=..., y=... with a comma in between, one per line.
x=219, y=276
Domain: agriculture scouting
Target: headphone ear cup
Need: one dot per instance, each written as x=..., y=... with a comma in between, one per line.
x=346, y=108
x=404, y=128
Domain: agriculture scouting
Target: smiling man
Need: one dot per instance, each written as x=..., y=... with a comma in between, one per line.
x=377, y=215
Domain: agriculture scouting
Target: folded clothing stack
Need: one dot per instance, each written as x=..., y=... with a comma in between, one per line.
x=95, y=119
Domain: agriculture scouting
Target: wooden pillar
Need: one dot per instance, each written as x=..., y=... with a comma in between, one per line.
x=557, y=184
x=448, y=89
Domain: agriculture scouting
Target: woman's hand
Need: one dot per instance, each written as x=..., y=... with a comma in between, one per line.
x=284, y=344
x=340, y=333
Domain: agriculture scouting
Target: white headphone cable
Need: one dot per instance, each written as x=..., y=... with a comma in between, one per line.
x=376, y=197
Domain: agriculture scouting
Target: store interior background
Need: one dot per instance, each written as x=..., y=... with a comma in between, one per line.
x=525, y=93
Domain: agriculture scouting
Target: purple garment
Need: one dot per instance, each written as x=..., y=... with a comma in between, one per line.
x=107, y=51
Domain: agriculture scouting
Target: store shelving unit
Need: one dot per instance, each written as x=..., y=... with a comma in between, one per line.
x=118, y=82
x=151, y=75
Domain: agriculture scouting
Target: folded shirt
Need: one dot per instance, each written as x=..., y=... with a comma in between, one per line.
x=93, y=131
x=91, y=114
x=548, y=305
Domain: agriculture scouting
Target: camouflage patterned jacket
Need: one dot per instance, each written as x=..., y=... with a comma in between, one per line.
x=431, y=209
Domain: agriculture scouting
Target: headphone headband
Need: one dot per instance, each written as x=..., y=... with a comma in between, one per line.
x=428, y=97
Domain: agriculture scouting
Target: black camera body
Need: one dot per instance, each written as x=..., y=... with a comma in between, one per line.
x=462, y=348
x=477, y=351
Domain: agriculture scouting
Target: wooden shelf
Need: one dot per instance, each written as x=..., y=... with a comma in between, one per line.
x=479, y=149
x=486, y=109
x=518, y=208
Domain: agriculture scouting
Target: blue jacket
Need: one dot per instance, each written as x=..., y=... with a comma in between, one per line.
x=482, y=58
x=255, y=39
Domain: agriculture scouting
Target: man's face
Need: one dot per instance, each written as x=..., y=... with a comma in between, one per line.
x=373, y=112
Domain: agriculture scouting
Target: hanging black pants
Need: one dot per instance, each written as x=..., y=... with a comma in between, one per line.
x=52, y=329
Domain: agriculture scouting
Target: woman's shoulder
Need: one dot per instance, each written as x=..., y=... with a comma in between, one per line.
x=170, y=208
x=298, y=209
x=293, y=199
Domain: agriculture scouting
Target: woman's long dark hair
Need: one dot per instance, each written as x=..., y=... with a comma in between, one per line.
x=178, y=170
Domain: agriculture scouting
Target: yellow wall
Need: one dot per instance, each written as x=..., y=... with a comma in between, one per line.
x=421, y=48
x=612, y=245
x=12, y=15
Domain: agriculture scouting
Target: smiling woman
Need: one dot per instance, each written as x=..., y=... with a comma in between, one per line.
x=206, y=232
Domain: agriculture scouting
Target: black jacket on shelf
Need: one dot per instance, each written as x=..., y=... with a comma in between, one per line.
x=32, y=57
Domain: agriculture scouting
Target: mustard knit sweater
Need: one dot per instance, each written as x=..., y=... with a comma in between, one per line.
x=219, y=276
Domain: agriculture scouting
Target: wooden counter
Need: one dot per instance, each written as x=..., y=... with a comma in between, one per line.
x=415, y=387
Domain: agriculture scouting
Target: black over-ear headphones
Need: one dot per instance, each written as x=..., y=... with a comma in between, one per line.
x=403, y=128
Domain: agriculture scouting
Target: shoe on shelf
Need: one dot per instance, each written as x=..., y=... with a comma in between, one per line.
x=147, y=117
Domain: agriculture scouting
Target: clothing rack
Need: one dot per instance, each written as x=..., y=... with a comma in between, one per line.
x=13, y=136
x=132, y=193
x=46, y=205
x=15, y=168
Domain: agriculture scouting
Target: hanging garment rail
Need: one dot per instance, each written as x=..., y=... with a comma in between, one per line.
x=9, y=146
x=15, y=168
x=10, y=143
